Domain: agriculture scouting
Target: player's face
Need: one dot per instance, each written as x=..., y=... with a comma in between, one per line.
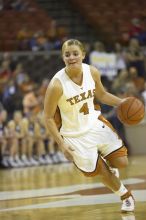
x=73, y=56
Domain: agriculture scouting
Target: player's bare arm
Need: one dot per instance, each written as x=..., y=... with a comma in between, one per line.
x=53, y=94
x=101, y=94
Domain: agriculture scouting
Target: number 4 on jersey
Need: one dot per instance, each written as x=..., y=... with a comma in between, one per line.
x=84, y=109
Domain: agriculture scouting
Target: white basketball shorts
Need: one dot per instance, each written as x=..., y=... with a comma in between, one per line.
x=101, y=138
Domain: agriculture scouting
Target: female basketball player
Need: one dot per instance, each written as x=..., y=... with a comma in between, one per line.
x=85, y=137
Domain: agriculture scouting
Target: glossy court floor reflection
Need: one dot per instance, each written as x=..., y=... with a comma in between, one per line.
x=61, y=192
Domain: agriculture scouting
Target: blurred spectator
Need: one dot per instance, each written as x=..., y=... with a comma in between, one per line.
x=22, y=79
x=40, y=42
x=61, y=35
x=138, y=81
x=12, y=98
x=98, y=50
x=103, y=61
x=20, y=76
x=119, y=82
x=88, y=50
x=33, y=44
x=23, y=37
x=43, y=87
x=9, y=58
x=136, y=28
x=51, y=33
x=129, y=83
x=135, y=57
x=20, y=5
x=120, y=58
x=5, y=74
x=3, y=139
x=31, y=101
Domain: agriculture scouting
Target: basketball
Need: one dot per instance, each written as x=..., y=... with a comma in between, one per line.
x=131, y=111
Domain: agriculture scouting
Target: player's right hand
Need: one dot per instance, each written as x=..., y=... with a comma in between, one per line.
x=67, y=151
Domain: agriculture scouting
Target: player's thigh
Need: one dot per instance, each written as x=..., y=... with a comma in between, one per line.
x=101, y=169
x=118, y=158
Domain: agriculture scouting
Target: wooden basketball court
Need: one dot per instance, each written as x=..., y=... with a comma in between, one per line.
x=61, y=192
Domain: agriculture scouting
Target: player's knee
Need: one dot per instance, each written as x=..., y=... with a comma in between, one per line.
x=120, y=162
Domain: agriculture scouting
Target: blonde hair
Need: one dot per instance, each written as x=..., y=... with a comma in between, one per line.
x=71, y=42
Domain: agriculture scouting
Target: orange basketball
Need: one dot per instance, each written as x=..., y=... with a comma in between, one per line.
x=131, y=111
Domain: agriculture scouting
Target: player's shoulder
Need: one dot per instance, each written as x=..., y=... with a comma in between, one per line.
x=55, y=84
x=94, y=72
x=87, y=67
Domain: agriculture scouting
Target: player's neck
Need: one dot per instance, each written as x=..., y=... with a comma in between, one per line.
x=73, y=72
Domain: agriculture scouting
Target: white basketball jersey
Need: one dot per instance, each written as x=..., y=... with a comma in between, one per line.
x=76, y=104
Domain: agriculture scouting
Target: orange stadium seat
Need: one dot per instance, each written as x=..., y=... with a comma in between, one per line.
x=110, y=14
x=16, y=20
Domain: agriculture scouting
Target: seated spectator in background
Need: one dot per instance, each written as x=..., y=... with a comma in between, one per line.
x=33, y=45
x=105, y=62
x=31, y=101
x=31, y=138
x=41, y=136
x=56, y=35
x=7, y=56
x=16, y=142
x=138, y=81
x=21, y=78
x=51, y=33
x=3, y=138
x=119, y=82
x=46, y=145
x=128, y=80
x=62, y=34
x=120, y=58
x=43, y=42
x=20, y=5
x=98, y=50
x=12, y=98
x=98, y=47
x=136, y=28
x=88, y=50
x=23, y=37
x=40, y=42
x=5, y=74
x=135, y=57
x=43, y=88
